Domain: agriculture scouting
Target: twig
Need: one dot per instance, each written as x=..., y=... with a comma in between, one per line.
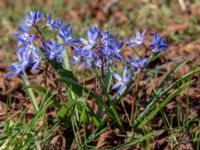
x=182, y=4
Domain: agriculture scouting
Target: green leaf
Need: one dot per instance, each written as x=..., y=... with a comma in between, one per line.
x=70, y=80
x=105, y=93
x=30, y=93
x=169, y=77
x=164, y=93
x=164, y=102
x=65, y=108
x=108, y=80
x=84, y=116
x=90, y=93
x=48, y=94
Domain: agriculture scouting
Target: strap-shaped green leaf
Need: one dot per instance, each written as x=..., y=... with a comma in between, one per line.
x=164, y=93
x=164, y=103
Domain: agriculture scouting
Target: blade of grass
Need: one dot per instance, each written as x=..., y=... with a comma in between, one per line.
x=136, y=141
x=161, y=105
x=30, y=93
x=108, y=80
x=109, y=99
x=163, y=93
x=169, y=77
x=90, y=93
x=179, y=109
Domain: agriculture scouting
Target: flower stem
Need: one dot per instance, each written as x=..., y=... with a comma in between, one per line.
x=66, y=64
x=30, y=93
x=66, y=60
x=135, y=93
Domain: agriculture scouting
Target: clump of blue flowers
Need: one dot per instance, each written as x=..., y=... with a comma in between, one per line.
x=98, y=50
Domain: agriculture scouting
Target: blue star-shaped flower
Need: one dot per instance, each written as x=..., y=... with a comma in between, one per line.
x=138, y=62
x=107, y=37
x=112, y=50
x=53, y=24
x=49, y=20
x=92, y=36
x=28, y=45
x=122, y=81
x=23, y=36
x=138, y=41
x=54, y=50
x=18, y=67
x=158, y=43
x=32, y=18
x=65, y=33
x=36, y=59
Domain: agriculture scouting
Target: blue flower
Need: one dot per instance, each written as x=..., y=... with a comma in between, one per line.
x=23, y=36
x=87, y=58
x=84, y=57
x=86, y=53
x=65, y=33
x=112, y=50
x=58, y=23
x=54, y=51
x=53, y=24
x=158, y=43
x=76, y=55
x=36, y=59
x=29, y=45
x=97, y=62
x=138, y=41
x=18, y=67
x=50, y=22
x=139, y=62
x=107, y=37
x=32, y=18
x=122, y=81
x=92, y=36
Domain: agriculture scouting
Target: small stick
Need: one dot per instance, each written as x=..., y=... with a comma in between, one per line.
x=182, y=4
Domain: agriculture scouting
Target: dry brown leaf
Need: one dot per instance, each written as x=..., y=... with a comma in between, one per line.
x=186, y=142
x=3, y=109
x=106, y=139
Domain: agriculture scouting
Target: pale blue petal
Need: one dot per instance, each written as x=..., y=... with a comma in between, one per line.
x=117, y=76
x=122, y=88
x=116, y=85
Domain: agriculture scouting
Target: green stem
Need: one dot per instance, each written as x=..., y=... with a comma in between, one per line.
x=66, y=60
x=108, y=99
x=66, y=66
x=30, y=93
